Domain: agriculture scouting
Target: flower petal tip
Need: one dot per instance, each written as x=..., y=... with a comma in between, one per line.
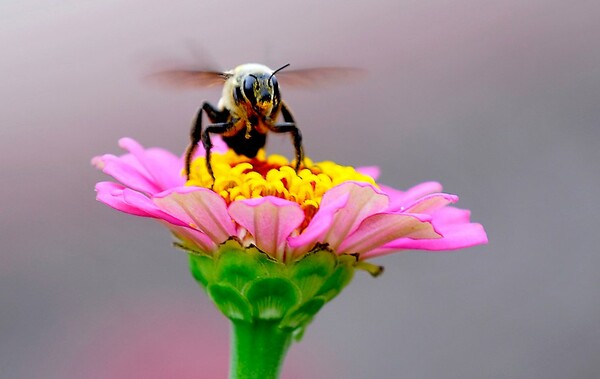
x=127, y=143
x=97, y=162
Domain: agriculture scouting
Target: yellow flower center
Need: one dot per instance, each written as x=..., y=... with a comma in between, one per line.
x=238, y=177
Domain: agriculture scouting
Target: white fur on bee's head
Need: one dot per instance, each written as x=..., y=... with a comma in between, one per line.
x=251, y=68
x=234, y=78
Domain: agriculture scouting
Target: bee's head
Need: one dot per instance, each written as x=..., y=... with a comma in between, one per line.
x=260, y=90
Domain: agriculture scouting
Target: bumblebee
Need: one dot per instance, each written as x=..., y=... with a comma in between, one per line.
x=248, y=109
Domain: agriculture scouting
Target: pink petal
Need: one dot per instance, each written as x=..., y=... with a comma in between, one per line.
x=142, y=202
x=454, y=237
x=399, y=200
x=132, y=202
x=382, y=228
x=163, y=168
x=372, y=171
x=452, y=223
x=270, y=220
x=200, y=209
x=452, y=215
x=146, y=170
x=219, y=146
x=111, y=194
x=342, y=209
x=127, y=170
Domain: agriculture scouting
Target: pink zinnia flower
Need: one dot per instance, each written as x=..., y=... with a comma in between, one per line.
x=263, y=202
x=271, y=245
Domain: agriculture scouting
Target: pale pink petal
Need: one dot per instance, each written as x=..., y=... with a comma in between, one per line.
x=193, y=239
x=270, y=220
x=200, y=209
x=319, y=225
x=431, y=203
x=342, y=209
x=400, y=200
x=382, y=228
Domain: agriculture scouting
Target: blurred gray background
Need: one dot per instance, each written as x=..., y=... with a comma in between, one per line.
x=498, y=100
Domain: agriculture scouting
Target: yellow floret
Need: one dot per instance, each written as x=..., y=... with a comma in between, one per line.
x=238, y=177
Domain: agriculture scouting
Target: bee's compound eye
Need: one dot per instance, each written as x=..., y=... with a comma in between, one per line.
x=237, y=94
x=249, y=83
x=275, y=86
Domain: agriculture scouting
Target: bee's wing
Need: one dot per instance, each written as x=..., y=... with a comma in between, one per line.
x=188, y=79
x=318, y=76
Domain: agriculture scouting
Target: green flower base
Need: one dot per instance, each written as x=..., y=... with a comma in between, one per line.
x=270, y=302
x=248, y=285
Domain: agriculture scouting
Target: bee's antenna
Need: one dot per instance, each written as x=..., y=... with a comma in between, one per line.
x=279, y=69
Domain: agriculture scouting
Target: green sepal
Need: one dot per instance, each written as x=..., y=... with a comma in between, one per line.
x=202, y=269
x=304, y=313
x=239, y=268
x=372, y=269
x=272, y=298
x=341, y=276
x=247, y=285
x=230, y=301
x=312, y=271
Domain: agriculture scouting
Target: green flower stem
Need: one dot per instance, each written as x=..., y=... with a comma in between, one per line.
x=257, y=349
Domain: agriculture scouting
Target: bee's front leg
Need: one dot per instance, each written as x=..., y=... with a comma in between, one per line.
x=289, y=126
x=218, y=128
x=214, y=115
